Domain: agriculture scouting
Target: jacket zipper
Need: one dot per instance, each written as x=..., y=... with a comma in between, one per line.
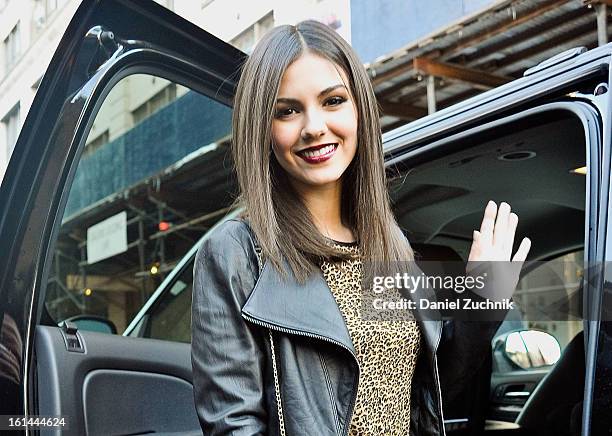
x=323, y=338
x=437, y=381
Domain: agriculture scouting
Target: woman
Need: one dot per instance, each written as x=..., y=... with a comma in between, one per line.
x=278, y=346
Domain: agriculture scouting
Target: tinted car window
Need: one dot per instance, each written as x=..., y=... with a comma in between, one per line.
x=136, y=204
x=557, y=280
x=170, y=316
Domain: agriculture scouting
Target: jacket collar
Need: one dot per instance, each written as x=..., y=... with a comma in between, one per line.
x=311, y=309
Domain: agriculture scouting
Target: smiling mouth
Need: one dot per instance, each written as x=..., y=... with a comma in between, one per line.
x=318, y=150
x=318, y=154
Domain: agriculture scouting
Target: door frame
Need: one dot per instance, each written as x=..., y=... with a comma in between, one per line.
x=593, y=122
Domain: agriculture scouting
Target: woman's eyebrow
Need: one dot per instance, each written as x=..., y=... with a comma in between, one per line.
x=321, y=94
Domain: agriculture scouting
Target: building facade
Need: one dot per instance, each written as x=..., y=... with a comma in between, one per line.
x=30, y=31
x=399, y=22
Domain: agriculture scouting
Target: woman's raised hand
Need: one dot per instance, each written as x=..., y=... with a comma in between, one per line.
x=495, y=239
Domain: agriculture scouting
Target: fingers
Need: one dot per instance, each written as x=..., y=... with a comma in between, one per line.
x=497, y=231
x=488, y=223
x=512, y=224
x=475, y=249
x=500, y=233
x=523, y=250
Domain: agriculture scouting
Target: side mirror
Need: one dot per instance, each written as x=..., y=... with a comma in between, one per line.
x=532, y=348
x=92, y=323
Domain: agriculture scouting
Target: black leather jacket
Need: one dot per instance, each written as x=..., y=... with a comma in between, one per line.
x=233, y=308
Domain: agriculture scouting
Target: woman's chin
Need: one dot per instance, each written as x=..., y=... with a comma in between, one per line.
x=322, y=182
x=318, y=178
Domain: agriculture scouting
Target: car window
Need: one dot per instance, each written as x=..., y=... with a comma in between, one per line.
x=550, y=284
x=136, y=205
x=169, y=318
x=535, y=335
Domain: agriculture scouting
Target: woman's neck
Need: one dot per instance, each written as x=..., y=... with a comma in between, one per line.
x=325, y=205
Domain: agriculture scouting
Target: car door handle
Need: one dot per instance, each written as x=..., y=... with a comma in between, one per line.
x=517, y=394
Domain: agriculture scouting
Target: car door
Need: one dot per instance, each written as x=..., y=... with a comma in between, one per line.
x=100, y=383
x=498, y=159
x=518, y=370
x=577, y=82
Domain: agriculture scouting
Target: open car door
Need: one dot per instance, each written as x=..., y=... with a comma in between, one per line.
x=101, y=383
x=542, y=144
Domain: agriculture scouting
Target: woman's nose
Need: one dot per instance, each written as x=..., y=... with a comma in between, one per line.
x=314, y=126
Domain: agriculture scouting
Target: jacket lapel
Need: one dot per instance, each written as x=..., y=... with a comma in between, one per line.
x=309, y=308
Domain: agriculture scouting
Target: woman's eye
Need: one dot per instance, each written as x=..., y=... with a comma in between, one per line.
x=335, y=101
x=284, y=112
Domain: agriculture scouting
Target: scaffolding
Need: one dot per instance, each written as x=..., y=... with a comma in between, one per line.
x=163, y=223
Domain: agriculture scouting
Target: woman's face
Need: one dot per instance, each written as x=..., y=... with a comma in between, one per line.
x=315, y=123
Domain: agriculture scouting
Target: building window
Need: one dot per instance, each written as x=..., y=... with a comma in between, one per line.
x=11, y=126
x=155, y=103
x=43, y=11
x=51, y=5
x=12, y=48
x=248, y=38
x=98, y=142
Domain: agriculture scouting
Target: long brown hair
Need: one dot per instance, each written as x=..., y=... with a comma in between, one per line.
x=280, y=220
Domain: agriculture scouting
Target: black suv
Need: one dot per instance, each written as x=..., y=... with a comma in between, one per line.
x=542, y=143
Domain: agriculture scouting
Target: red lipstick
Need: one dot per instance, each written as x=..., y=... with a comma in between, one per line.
x=319, y=158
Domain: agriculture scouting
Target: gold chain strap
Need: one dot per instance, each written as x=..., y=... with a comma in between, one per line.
x=281, y=419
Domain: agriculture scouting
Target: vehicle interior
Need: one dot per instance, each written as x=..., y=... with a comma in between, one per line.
x=141, y=382
x=439, y=199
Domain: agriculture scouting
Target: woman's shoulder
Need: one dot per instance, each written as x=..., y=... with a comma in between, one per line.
x=228, y=237
x=225, y=265
x=233, y=227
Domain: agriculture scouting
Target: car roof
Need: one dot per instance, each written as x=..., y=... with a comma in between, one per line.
x=570, y=67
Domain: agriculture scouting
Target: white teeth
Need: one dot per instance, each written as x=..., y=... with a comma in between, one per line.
x=319, y=152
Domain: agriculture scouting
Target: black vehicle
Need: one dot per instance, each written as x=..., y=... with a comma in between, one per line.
x=541, y=143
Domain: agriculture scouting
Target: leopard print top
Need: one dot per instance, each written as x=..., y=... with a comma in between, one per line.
x=387, y=352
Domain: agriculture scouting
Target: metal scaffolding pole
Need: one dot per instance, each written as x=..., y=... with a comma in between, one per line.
x=602, y=23
x=59, y=285
x=162, y=242
x=141, y=256
x=191, y=223
x=431, y=94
